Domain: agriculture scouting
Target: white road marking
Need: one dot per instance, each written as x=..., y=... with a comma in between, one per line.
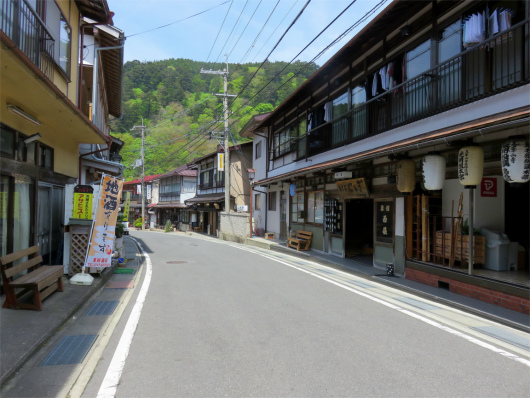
x=438, y=325
x=112, y=377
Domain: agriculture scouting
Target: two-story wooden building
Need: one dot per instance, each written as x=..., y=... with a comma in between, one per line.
x=174, y=188
x=44, y=117
x=373, y=152
x=210, y=198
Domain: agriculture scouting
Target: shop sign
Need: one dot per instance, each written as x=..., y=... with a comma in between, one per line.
x=103, y=228
x=220, y=162
x=488, y=187
x=355, y=188
x=126, y=206
x=148, y=192
x=384, y=222
x=292, y=190
x=83, y=195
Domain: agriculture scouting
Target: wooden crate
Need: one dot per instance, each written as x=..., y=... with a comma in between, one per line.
x=443, y=247
x=269, y=235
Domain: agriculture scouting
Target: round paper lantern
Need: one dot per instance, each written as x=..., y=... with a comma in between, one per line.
x=433, y=172
x=470, y=165
x=406, y=175
x=515, y=160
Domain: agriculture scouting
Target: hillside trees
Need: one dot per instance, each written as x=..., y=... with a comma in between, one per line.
x=179, y=106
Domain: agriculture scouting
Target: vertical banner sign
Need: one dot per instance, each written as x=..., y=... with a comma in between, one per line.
x=103, y=228
x=83, y=195
x=384, y=222
x=139, y=189
x=126, y=206
x=220, y=162
x=148, y=192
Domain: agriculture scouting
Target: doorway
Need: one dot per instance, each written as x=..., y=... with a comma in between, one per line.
x=359, y=230
x=283, y=215
x=50, y=228
x=517, y=217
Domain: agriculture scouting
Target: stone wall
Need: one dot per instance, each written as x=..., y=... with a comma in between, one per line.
x=234, y=227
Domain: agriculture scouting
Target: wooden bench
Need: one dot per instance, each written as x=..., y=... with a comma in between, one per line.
x=40, y=280
x=301, y=241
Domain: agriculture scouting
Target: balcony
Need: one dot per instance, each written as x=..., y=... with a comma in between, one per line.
x=25, y=28
x=496, y=65
x=212, y=184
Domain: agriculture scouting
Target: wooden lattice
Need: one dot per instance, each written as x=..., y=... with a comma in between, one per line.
x=78, y=248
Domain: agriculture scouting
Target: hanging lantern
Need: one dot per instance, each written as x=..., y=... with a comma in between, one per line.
x=515, y=160
x=406, y=175
x=433, y=172
x=470, y=165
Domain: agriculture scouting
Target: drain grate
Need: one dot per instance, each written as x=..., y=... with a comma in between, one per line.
x=418, y=304
x=505, y=336
x=176, y=262
x=70, y=350
x=102, y=308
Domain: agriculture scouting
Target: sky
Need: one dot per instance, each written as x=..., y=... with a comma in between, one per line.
x=238, y=28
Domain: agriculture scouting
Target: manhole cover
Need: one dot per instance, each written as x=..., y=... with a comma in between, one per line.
x=176, y=262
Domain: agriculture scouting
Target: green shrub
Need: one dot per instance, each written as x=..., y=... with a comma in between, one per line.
x=169, y=226
x=138, y=223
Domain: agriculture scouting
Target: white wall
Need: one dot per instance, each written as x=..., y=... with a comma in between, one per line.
x=488, y=212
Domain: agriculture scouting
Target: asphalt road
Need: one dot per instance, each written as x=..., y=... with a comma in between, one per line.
x=226, y=321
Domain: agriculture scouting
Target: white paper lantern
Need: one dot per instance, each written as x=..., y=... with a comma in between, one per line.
x=406, y=175
x=433, y=172
x=515, y=160
x=470, y=165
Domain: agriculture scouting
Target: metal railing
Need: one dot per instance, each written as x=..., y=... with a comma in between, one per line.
x=22, y=25
x=212, y=184
x=496, y=65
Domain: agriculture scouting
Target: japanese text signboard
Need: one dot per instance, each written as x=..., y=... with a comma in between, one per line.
x=384, y=222
x=355, y=188
x=83, y=195
x=103, y=228
x=126, y=206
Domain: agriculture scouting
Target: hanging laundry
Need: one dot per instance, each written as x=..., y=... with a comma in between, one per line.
x=374, y=85
x=505, y=18
x=493, y=23
x=382, y=74
x=390, y=76
x=309, y=121
x=328, y=111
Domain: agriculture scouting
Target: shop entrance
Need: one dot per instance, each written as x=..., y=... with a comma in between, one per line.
x=517, y=219
x=359, y=229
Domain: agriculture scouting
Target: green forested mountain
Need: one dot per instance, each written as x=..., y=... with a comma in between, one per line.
x=179, y=108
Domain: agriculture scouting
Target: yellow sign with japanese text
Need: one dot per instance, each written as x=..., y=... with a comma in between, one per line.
x=355, y=188
x=83, y=195
x=104, y=225
x=126, y=205
x=220, y=162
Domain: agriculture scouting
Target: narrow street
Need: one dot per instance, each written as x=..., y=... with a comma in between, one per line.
x=222, y=319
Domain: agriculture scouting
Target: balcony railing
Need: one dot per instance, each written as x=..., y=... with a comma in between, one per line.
x=212, y=184
x=169, y=194
x=498, y=64
x=22, y=25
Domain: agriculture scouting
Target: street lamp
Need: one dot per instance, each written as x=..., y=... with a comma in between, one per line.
x=251, y=175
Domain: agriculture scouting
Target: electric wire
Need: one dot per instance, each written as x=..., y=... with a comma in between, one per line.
x=259, y=33
x=245, y=28
x=220, y=29
x=230, y=35
x=273, y=31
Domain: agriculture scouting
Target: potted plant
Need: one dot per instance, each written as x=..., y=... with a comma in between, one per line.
x=138, y=223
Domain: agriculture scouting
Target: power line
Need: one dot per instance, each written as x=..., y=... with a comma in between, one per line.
x=246, y=26
x=259, y=33
x=230, y=35
x=180, y=20
x=220, y=29
x=273, y=31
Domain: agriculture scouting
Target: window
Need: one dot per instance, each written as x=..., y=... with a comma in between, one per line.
x=284, y=139
x=258, y=150
x=62, y=34
x=449, y=76
x=340, y=127
x=298, y=208
x=7, y=142
x=188, y=186
x=418, y=96
x=315, y=207
x=45, y=157
x=358, y=101
x=272, y=201
x=257, y=201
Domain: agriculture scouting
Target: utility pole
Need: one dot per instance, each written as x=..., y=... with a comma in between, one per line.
x=226, y=148
x=142, y=128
